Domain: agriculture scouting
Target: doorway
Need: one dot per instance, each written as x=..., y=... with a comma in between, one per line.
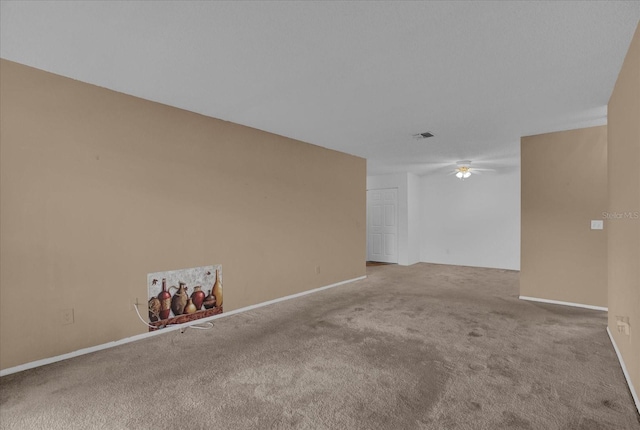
x=382, y=225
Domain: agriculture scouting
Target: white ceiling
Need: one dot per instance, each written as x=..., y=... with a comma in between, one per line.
x=359, y=77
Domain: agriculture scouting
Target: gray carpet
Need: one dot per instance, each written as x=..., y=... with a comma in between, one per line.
x=420, y=347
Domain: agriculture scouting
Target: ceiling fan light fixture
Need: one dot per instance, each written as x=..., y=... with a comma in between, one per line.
x=463, y=171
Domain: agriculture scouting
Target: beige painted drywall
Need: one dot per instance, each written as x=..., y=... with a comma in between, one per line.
x=564, y=187
x=623, y=226
x=99, y=188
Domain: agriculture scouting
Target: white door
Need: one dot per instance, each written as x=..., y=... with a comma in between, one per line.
x=382, y=225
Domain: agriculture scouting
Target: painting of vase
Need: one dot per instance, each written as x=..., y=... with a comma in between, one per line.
x=180, y=296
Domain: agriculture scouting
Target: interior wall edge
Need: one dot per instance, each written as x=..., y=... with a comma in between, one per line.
x=576, y=125
x=470, y=265
x=627, y=377
x=559, y=302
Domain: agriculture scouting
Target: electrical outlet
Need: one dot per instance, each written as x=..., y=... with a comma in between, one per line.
x=66, y=316
x=623, y=325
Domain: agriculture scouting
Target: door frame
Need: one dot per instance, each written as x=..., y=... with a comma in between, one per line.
x=397, y=221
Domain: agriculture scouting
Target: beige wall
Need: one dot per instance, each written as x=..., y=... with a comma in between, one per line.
x=99, y=188
x=564, y=187
x=624, y=198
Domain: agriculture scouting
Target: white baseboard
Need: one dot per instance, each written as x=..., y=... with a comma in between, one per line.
x=624, y=370
x=558, y=302
x=126, y=340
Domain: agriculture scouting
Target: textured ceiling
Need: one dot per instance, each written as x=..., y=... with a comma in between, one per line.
x=359, y=77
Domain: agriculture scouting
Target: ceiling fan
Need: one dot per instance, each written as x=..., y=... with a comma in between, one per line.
x=464, y=170
x=485, y=164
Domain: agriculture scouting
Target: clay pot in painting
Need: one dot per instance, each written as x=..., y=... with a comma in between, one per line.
x=209, y=301
x=217, y=290
x=154, y=309
x=197, y=297
x=165, y=301
x=179, y=300
x=189, y=308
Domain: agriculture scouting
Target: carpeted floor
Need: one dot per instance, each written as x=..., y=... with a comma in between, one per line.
x=420, y=347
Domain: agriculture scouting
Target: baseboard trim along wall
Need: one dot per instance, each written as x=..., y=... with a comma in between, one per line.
x=624, y=371
x=126, y=340
x=558, y=302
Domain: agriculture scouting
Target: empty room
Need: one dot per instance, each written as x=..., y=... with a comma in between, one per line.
x=319, y=215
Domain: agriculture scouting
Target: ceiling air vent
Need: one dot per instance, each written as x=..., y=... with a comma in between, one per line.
x=423, y=135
